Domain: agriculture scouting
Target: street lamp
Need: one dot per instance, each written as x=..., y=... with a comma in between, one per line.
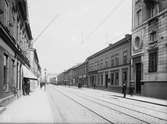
x=45, y=79
x=45, y=75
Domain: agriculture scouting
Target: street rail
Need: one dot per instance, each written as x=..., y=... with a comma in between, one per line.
x=88, y=108
x=109, y=107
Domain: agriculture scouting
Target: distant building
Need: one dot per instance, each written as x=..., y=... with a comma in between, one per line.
x=149, y=47
x=53, y=80
x=80, y=74
x=110, y=67
x=73, y=76
x=60, y=78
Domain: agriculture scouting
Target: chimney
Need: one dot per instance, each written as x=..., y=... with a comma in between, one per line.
x=128, y=36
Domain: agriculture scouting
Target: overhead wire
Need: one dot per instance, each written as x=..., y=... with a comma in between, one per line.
x=105, y=18
x=45, y=28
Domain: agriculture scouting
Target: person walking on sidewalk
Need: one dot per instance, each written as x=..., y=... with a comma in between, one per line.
x=124, y=89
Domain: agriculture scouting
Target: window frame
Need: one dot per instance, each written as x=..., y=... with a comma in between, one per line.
x=153, y=36
x=5, y=67
x=139, y=17
x=125, y=57
x=153, y=61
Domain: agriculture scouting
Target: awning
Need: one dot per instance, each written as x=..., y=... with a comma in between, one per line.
x=28, y=74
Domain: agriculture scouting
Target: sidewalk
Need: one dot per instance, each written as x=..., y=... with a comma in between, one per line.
x=34, y=108
x=151, y=100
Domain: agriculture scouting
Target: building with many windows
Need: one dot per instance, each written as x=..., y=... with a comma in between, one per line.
x=149, y=47
x=80, y=74
x=110, y=67
x=74, y=76
x=15, y=41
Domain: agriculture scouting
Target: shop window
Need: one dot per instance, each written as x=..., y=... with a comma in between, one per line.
x=5, y=67
x=101, y=79
x=124, y=76
x=13, y=66
x=153, y=60
x=112, y=78
x=116, y=78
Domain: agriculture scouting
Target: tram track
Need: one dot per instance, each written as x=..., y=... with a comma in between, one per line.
x=132, y=110
x=82, y=105
x=121, y=106
x=156, y=119
x=150, y=107
x=88, y=108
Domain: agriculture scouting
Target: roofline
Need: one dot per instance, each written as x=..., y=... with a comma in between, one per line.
x=127, y=38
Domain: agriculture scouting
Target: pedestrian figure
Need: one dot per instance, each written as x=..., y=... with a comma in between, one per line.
x=124, y=89
x=79, y=85
x=44, y=86
x=15, y=91
x=41, y=85
x=94, y=85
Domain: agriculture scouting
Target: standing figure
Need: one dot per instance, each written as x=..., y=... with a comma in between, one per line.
x=45, y=86
x=94, y=85
x=124, y=89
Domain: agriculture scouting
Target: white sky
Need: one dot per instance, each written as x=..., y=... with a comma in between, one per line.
x=62, y=45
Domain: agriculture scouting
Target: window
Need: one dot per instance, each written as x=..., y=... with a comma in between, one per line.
x=117, y=78
x=116, y=60
x=153, y=60
x=106, y=63
x=5, y=65
x=153, y=36
x=112, y=61
x=112, y=78
x=101, y=64
x=153, y=9
x=102, y=79
x=125, y=57
x=139, y=15
x=137, y=1
x=13, y=66
x=137, y=42
x=124, y=75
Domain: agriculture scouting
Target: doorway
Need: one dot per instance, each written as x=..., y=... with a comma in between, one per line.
x=106, y=80
x=125, y=76
x=138, y=78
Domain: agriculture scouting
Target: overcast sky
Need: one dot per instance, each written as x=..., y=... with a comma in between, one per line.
x=82, y=27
